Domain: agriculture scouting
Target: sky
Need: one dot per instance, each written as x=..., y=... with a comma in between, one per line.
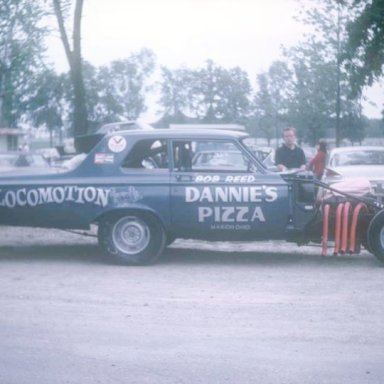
x=244, y=33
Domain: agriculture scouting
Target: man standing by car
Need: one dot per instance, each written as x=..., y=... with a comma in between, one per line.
x=289, y=155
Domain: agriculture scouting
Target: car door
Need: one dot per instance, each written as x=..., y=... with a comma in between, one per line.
x=229, y=196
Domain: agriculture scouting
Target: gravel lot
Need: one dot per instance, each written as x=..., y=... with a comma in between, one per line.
x=205, y=313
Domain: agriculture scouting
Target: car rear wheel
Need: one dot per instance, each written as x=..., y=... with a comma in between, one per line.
x=136, y=239
x=365, y=244
x=170, y=239
x=376, y=235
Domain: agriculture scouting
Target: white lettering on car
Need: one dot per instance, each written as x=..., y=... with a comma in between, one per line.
x=243, y=194
x=242, y=179
x=230, y=214
x=230, y=194
x=32, y=197
x=207, y=179
x=227, y=215
x=258, y=215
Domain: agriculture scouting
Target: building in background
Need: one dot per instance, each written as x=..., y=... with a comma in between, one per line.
x=9, y=139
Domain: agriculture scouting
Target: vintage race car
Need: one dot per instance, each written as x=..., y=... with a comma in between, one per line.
x=143, y=190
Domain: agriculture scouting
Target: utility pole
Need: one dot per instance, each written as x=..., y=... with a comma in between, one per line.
x=338, y=75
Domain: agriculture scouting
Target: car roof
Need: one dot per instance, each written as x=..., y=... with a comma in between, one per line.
x=124, y=126
x=182, y=134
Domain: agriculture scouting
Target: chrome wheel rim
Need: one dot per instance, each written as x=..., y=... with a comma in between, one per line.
x=130, y=235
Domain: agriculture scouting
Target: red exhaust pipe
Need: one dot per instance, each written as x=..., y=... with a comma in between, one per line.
x=344, y=229
x=327, y=208
x=355, y=216
x=339, y=211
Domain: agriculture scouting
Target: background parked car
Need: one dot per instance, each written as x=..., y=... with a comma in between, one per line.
x=219, y=160
x=18, y=160
x=346, y=163
x=51, y=155
x=309, y=152
x=262, y=152
x=269, y=160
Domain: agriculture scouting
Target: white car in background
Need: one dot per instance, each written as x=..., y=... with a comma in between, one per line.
x=219, y=159
x=269, y=160
x=356, y=162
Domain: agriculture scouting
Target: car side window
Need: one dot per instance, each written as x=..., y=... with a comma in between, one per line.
x=147, y=154
x=202, y=155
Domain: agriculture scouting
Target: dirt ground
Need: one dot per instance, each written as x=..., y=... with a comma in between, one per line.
x=206, y=313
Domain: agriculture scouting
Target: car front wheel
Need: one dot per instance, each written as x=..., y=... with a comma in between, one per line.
x=376, y=235
x=136, y=239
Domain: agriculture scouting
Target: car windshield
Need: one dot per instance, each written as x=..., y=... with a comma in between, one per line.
x=358, y=157
x=259, y=152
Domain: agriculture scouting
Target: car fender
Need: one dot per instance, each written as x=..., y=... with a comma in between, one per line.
x=133, y=209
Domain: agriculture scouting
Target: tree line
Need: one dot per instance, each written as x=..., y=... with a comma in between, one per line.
x=316, y=86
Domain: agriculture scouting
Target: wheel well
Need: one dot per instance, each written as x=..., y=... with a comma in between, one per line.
x=130, y=211
x=131, y=236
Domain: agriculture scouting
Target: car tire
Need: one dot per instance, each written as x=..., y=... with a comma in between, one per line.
x=376, y=235
x=170, y=240
x=364, y=241
x=131, y=239
x=365, y=244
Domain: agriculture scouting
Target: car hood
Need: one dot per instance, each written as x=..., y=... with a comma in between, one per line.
x=371, y=172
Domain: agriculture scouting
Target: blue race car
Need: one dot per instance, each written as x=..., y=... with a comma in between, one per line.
x=143, y=189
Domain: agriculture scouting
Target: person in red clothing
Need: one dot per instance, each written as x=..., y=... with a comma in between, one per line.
x=317, y=164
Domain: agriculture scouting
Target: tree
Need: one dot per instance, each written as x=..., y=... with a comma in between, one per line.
x=263, y=109
x=319, y=73
x=313, y=91
x=118, y=91
x=204, y=92
x=21, y=48
x=365, y=44
x=175, y=89
x=218, y=94
x=234, y=89
x=271, y=100
x=73, y=54
x=48, y=103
